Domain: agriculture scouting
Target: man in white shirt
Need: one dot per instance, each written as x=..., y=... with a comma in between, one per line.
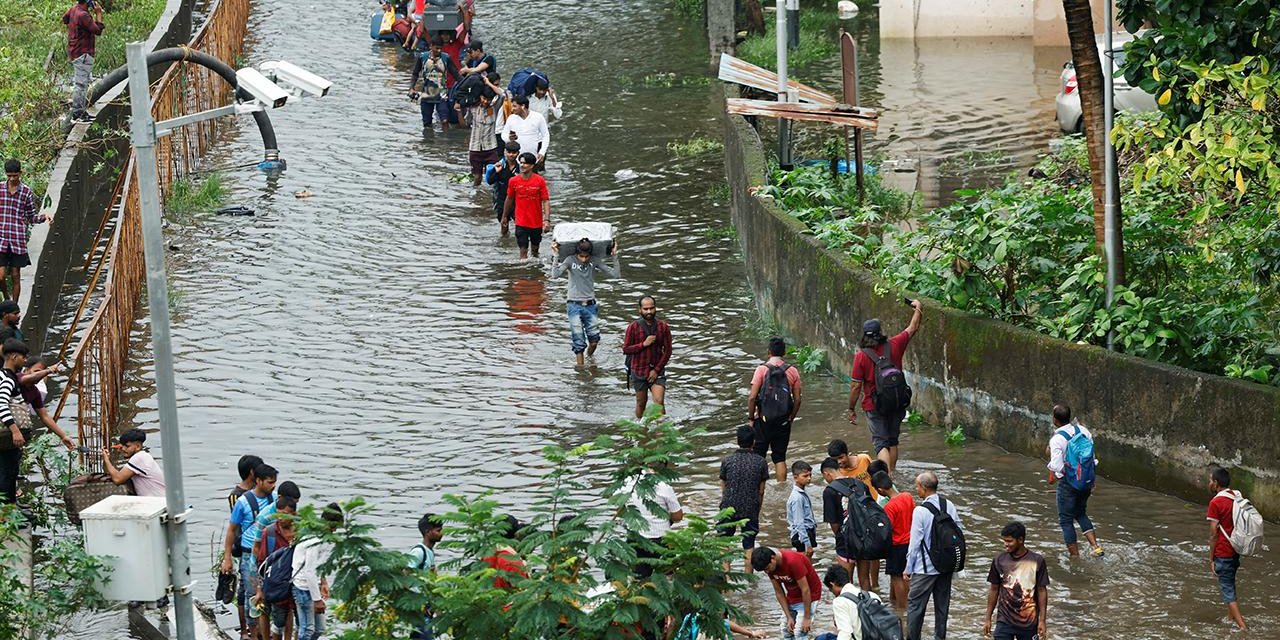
x=657, y=524
x=309, y=587
x=529, y=130
x=843, y=606
x=1073, y=503
x=142, y=469
x=926, y=580
x=544, y=100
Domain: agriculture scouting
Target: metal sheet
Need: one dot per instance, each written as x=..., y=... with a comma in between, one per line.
x=742, y=72
x=834, y=113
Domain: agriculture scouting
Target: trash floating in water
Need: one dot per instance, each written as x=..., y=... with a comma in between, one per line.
x=842, y=165
x=302, y=194
x=901, y=165
x=235, y=210
x=846, y=9
x=625, y=174
x=460, y=178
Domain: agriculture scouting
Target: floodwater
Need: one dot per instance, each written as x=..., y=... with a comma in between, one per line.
x=380, y=339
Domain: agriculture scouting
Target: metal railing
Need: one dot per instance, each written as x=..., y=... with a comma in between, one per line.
x=97, y=354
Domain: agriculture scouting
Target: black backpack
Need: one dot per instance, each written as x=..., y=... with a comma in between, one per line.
x=946, y=546
x=277, y=575
x=892, y=392
x=466, y=92
x=774, y=397
x=878, y=621
x=867, y=532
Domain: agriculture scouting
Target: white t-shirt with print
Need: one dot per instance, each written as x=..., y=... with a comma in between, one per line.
x=148, y=479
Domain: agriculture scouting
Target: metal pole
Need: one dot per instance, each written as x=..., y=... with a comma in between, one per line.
x=1109, y=231
x=849, y=69
x=793, y=24
x=142, y=131
x=784, y=125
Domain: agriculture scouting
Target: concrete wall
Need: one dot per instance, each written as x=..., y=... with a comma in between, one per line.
x=80, y=188
x=1041, y=19
x=1156, y=426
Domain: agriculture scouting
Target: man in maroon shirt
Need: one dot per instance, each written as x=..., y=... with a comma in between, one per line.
x=647, y=346
x=82, y=33
x=795, y=585
x=885, y=427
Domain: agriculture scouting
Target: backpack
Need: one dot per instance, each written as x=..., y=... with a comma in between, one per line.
x=525, y=80
x=1081, y=472
x=774, y=398
x=422, y=564
x=878, y=621
x=946, y=548
x=892, y=392
x=1246, y=532
x=644, y=326
x=466, y=92
x=277, y=575
x=867, y=532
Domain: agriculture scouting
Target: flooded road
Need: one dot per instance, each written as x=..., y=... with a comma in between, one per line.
x=380, y=339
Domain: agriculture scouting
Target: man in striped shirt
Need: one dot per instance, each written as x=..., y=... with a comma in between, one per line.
x=15, y=355
x=17, y=212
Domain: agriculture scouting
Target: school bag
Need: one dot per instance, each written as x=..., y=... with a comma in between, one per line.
x=525, y=80
x=466, y=92
x=1080, y=472
x=277, y=575
x=867, y=532
x=946, y=547
x=774, y=397
x=892, y=392
x=878, y=622
x=1246, y=532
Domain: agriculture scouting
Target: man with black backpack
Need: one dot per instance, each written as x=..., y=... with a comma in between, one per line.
x=936, y=552
x=858, y=614
x=1072, y=468
x=772, y=405
x=879, y=380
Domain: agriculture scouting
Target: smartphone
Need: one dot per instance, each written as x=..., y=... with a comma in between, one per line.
x=907, y=301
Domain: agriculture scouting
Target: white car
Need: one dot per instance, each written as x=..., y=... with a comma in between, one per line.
x=1127, y=98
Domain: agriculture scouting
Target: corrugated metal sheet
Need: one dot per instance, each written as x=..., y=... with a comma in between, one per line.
x=839, y=114
x=742, y=72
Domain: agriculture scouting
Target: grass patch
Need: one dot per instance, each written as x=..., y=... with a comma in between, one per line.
x=33, y=98
x=727, y=232
x=187, y=196
x=694, y=147
x=956, y=437
x=763, y=326
x=688, y=8
x=817, y=41
x=718, y=192
x=807, y=358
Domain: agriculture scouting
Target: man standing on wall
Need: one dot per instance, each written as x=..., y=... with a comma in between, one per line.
x=17, y=213
x=878, y=363
x=647, y=346
x=82, y=34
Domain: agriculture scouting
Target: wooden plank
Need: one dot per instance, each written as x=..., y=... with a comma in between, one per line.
x=832, y=114
x=740, y=71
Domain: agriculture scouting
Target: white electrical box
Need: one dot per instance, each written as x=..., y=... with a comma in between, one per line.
x=128, y=534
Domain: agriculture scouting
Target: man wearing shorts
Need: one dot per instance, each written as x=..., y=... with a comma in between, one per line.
x=647, y=346
x=887, y=426
x=775, y=436
x=528, y=198
x=17, y=213
x=742, y=477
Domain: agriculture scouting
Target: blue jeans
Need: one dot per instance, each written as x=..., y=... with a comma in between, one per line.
x=248, y=582
x=1226, y=570
x=440, y=109
x=584, y=325
x=826, y=636
x=797, y=612
x=1071, y=510
x=309, y=627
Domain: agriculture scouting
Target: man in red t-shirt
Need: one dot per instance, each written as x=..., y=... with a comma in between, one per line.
x=1223, y=558
x=528, y=197
x=885, y=426
x=795, y=584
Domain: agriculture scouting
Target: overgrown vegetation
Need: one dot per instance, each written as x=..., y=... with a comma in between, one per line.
x=807, y=358
x=64, y=575
x=817, y=40
x=955, y=437
x=694, y=147
x=688, y=8
x=188, y=195
x=578, y=560
x=35, y=85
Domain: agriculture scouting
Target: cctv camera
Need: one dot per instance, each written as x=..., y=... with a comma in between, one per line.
x=264, y=90
x=295, y=77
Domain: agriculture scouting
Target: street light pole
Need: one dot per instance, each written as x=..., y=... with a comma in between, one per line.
x=1110, y=233
x=143, y=134
x=784, y=125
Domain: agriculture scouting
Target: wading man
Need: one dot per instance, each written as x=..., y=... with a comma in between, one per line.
x=530, y=130
x=1071, y=467
x=584, y=313
x=878, y=379
x=772, y=404
x=498, y=174
x=528, y=197
x=17, y=213
x=647, y=347
x=1019, y=591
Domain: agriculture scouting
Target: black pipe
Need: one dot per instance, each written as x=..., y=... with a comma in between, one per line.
x=186, y=54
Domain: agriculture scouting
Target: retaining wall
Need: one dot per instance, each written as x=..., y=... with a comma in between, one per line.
x=1156, y=426
x=80, y=188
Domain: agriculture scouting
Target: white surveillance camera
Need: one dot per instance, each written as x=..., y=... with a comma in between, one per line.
x=295, y=77
x=264, y=90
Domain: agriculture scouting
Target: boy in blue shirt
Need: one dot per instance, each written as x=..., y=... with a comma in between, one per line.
x=241, y=534
x=800, y=522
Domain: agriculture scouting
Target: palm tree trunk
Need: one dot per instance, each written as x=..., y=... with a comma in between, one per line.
x=1089, y=81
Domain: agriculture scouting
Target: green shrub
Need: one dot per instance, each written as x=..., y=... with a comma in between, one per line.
x=817, y=41
x=187, y=195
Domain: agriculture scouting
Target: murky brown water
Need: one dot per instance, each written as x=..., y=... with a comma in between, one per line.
x=379, y=339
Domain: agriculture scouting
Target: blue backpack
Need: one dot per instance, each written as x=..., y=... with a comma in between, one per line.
x=1080, y=470
x=525, y=80
x=277, y=575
